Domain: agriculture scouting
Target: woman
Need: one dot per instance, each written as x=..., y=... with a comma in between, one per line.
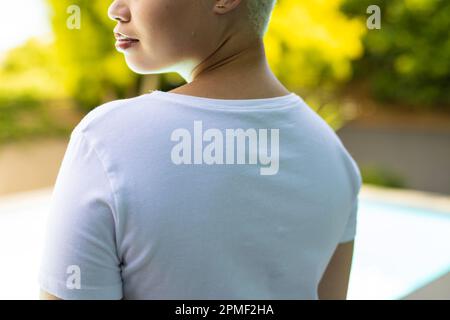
x=228, y=187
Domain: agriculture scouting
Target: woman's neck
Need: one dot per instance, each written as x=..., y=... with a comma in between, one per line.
x=234, y=74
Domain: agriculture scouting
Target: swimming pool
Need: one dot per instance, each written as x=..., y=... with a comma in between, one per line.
x=398, y=248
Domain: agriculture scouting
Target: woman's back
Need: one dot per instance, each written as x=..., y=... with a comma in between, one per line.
x=181, y=197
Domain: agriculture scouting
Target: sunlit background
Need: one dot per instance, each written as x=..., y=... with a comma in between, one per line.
x=385, y=91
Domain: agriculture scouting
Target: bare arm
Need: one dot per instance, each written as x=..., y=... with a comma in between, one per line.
x=334, y=282
x=47, y=296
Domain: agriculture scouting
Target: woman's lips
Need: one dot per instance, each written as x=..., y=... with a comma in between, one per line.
x=123, y=41
x=126, y=43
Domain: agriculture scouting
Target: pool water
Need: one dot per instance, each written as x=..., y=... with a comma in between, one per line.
x=398, y=249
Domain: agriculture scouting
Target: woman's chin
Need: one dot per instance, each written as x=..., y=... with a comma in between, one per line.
x=137, y=67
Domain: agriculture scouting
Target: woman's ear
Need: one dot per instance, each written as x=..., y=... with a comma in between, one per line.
x=225, y=6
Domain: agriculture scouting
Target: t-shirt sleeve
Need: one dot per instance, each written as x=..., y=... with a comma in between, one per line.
x=80, y=259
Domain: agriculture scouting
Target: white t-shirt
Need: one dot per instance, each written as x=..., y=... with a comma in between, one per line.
x=169, y=196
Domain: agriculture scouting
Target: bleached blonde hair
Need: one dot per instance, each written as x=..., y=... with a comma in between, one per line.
x=259, y=14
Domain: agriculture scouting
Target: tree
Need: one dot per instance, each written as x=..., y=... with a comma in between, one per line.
x=408, y=59
x=311, y=44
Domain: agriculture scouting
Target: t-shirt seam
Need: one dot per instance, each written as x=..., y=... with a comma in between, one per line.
x=114, y=197
x=291, y=103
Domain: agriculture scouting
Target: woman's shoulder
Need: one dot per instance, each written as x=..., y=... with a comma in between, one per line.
x=107, y=113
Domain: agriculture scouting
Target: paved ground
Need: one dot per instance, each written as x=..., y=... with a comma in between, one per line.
x=30, y=165
x=438, y=289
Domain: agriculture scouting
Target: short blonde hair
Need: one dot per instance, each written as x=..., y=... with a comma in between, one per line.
x=259, y=14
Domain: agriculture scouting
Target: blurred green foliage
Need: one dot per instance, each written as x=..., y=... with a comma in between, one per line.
x=378, y=175
x=310, y=44
x=408, y=59
x=24, y=117
x=94, y=70
x=315, y=47
x=30, y=69
x=29, y=77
